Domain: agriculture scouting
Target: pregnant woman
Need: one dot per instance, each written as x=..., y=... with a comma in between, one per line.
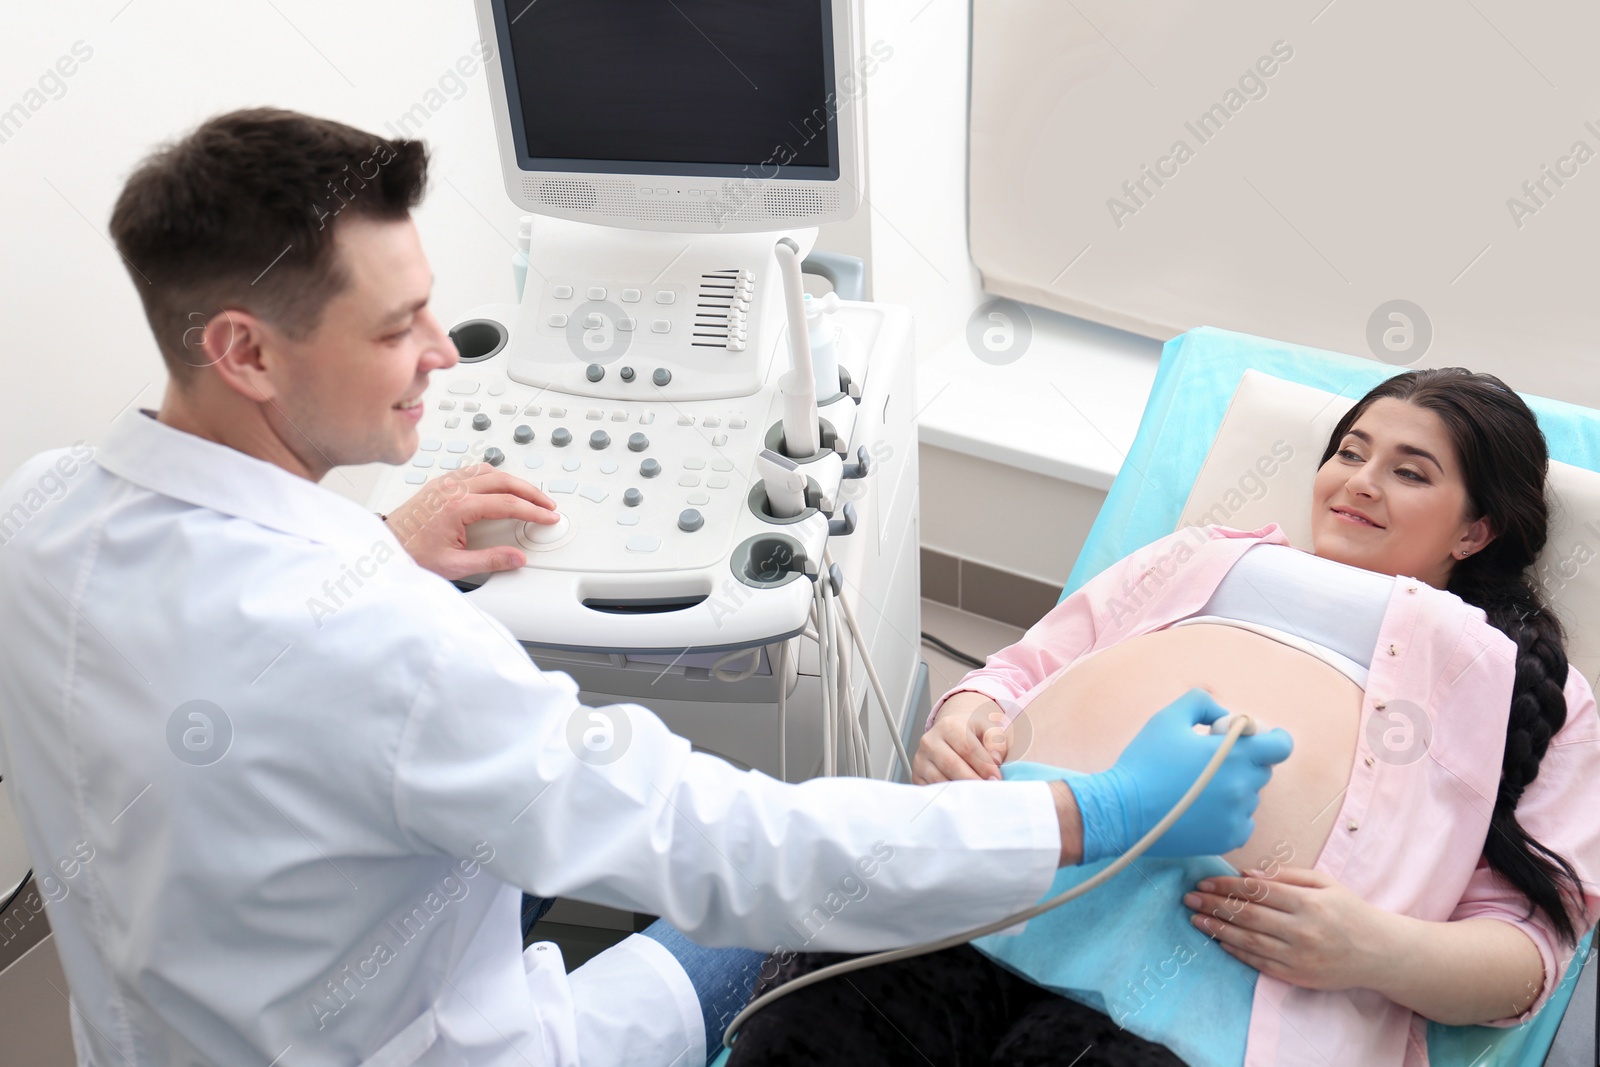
x=1429, y=849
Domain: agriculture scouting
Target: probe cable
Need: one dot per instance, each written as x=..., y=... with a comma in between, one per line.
x=1237, y=725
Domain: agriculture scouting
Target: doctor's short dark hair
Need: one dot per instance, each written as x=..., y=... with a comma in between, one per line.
x=241, y=213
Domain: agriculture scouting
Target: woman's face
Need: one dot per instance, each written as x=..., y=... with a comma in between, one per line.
x=1397, y=467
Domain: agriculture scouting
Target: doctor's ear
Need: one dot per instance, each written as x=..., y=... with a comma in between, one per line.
x=230, y=343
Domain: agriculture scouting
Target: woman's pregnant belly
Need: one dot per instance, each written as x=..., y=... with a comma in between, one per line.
x=1086, y=716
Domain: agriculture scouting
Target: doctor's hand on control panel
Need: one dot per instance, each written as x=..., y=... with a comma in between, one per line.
x=432, y=525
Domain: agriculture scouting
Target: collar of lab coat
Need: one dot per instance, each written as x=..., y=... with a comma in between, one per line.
x=150, y=454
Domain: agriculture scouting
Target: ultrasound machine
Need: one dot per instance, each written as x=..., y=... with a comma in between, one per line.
x=734, y=461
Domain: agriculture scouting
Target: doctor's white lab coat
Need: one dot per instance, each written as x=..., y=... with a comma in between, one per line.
x=310, y=778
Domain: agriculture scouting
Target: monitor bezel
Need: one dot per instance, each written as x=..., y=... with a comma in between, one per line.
x=694, y=181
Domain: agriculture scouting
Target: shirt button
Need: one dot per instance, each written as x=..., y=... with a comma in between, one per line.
x=1411, y=589
x=1392, y=652
x=1369, y=761
x=1378, y=704
x=1351, y=825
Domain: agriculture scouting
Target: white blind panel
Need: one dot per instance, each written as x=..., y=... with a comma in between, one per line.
x=1292, y=170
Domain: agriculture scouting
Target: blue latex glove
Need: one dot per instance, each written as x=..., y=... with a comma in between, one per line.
x=1159, y=765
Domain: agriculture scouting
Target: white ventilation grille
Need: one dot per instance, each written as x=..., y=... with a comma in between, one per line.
x=620, y=198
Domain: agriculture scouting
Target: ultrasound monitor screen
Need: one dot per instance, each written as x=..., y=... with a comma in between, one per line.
x=703, y=87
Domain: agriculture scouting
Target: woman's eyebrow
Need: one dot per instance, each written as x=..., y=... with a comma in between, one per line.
x=1410, y=450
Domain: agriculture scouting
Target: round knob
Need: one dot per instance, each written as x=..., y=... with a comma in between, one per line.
x=627, y=374
x=599, y=439
x=522, y=434
x=493, y=456
x=632, y=497
x=540, y=533
x=650, y=468
x=638, y=442
x=690, y=520
x=561, y=437
x=661, y=376
x=595, y=372
x=480, y=421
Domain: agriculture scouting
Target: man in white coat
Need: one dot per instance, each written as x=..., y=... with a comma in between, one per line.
x=312, y=780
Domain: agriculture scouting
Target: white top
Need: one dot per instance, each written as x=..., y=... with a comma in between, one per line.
x=1329, y=609
x=320, y=865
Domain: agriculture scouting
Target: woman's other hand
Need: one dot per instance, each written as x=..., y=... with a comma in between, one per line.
x=1297, y=925
x=967, y=740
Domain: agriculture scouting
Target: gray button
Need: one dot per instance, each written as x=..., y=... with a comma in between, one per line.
x=522, y=434
x=661, y=376
x=493, y=456
x=650, y=468
x=594, y=372
x=627, y=374
x=561, y=437
x=690, y=520
x=480, y=421
x=643, y=543
x=599, y=439
x=632, y=498
x=638, y=442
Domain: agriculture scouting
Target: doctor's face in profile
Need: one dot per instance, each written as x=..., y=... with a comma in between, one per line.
x=356, y=381
x=1397, y=466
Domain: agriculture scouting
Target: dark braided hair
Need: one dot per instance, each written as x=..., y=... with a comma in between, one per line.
x=1504, y=460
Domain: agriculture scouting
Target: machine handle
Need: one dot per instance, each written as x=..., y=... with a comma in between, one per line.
x=859, y=468
x=846, y=525
x=847, y=274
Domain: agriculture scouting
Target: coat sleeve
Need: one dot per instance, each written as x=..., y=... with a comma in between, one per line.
x=1556, y=810
x=606, y=805
x=1102, y=606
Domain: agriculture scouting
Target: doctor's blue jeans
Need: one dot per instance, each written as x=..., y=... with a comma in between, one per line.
x=723, y=978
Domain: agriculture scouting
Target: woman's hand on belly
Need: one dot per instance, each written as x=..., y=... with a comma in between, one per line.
x=1297, y=925
x=967, y=740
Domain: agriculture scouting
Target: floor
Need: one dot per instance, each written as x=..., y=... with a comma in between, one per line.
x=972, y=634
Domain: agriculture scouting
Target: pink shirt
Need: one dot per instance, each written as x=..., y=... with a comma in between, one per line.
x=1440, y=654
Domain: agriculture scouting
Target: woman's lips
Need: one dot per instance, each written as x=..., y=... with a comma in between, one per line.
x=1347, y=517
